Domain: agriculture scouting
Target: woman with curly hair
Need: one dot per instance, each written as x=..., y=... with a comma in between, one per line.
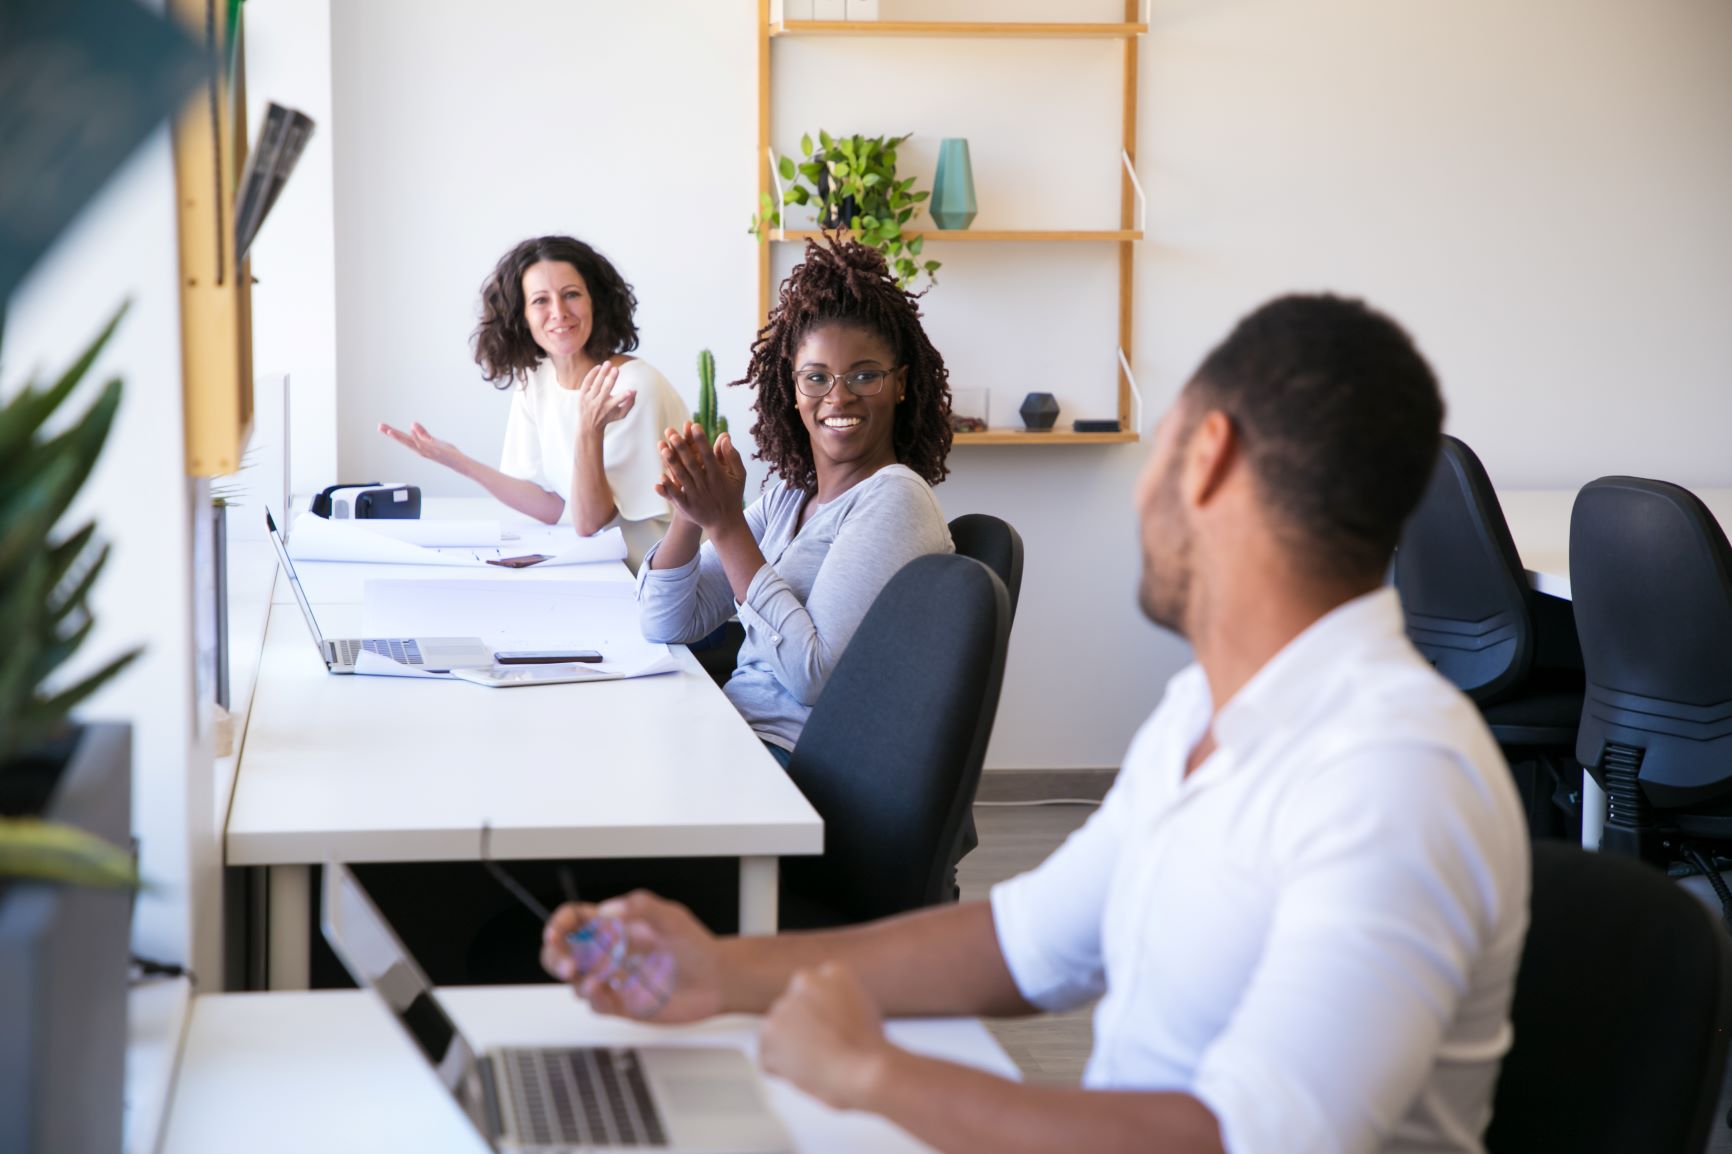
x=854, y=419
x=580, y=443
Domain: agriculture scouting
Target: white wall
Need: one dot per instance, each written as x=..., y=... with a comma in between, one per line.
x=123, y=245
x=294, y=255
x=1539, y=191
x=461, y=130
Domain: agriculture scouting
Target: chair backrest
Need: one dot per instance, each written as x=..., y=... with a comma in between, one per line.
x=1461, y=582
x=890, y=756
x=1622, y=1009
x=995, y=544
x=1651, y=582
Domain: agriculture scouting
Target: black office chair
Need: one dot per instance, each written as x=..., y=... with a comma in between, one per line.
x=1471, y=613
x=998, y=546
x=890, y=756
x=1622, y=1010
x=995, y=544
x=1651, y=578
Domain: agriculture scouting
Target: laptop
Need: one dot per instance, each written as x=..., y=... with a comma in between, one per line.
x=537, y=1100
x=430, y=654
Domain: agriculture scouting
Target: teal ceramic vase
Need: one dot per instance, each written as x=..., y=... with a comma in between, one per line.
x=953, y=204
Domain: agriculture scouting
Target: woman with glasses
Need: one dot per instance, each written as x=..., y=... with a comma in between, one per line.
x=854, y=421
x=580, y=443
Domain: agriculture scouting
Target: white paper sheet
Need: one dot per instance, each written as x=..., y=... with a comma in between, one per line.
x=342, y=582
x=319, y=539
x=370, y=664
x=546, y=615
x=431, y=534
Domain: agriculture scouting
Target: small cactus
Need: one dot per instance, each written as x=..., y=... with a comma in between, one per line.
x=712, y=422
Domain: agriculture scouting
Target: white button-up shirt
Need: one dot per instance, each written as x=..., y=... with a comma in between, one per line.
x=1317, y=932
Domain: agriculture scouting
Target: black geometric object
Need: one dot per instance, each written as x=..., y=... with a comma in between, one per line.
x=82, y=84
x=1039, y=412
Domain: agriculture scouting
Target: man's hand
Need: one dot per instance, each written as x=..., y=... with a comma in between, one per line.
x=694, y=989
x=825, y=1035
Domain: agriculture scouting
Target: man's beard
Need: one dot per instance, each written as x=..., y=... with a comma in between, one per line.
x=1165, y=591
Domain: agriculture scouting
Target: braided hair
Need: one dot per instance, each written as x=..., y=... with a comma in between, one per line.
x=845, y=282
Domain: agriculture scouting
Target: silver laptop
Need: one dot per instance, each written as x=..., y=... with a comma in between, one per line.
x=431, y=654
x=688, y=1099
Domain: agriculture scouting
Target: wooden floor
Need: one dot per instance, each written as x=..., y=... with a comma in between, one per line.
x=1053, y=1047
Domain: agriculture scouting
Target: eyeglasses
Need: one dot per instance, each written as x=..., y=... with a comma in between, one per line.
x=644, y=982
x=862, y=382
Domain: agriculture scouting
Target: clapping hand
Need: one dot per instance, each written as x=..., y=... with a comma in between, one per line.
x=597, y=407
x=706, y=485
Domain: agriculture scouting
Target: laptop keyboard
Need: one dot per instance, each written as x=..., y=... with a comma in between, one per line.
x=582, y=1097
x=402, y=651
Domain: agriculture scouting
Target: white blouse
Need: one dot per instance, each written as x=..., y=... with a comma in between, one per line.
x=541, y=437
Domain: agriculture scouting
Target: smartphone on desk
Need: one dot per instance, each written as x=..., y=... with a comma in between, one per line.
x=545, y=656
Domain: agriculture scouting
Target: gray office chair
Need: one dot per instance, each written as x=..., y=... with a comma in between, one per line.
x=1622, y=1012
x=890, y=756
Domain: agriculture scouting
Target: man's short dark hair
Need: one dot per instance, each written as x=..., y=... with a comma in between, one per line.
x=1340, y=419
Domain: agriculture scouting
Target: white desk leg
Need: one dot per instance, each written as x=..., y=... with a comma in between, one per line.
x=290, y=908
x=1593, y=811
x=758, y=886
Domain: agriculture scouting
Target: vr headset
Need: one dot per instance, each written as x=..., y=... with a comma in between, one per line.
x=369, y=500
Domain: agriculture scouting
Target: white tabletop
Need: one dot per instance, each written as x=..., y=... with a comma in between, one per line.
x=396, y=769
x=329, y=1071
x=337, y=582
x=1539, y=520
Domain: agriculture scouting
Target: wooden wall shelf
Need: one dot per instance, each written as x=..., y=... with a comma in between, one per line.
x=947, y=235
x=1124, y=237
x=1023, y=30
x=216, y=338
x=1055, y=437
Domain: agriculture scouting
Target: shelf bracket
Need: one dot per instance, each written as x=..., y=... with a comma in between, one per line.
x=775, y=178
x=1142, y=200
x=1136, y=394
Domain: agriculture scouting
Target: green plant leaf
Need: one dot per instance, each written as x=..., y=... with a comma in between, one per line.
x=25, y=414
x=806, y=144
x=932, y=266
x=872, y=180
x=915, y=245
x=785, y=166
x=53, y=852
x=919, y=196
x=824, y=140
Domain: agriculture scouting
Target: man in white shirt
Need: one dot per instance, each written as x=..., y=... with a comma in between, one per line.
x=1303, y=902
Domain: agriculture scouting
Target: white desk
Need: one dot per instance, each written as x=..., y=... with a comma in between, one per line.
x=329, y=1071
x=377, y=769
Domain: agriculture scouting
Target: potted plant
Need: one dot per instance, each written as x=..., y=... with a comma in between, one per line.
x=852, y=181
x=66, y=871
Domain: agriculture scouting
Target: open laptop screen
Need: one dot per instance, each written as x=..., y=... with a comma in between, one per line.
x=295, y=584
x=377, y=960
